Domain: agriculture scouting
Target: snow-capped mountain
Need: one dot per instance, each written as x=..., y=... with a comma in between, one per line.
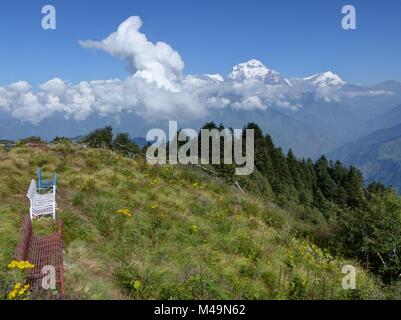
x=212, y=78
x=206, y=77
x=324, y=79
x=320, y=80
x=254, y=69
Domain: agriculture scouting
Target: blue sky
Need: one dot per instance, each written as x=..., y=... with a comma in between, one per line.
x=295, y=37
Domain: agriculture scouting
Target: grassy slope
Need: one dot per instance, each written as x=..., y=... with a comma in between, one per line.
x=190, y=236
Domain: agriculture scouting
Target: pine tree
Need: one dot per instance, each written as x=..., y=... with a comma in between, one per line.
x=295, y=169
x=262, y=158
x=354, y=187
x=324, y=181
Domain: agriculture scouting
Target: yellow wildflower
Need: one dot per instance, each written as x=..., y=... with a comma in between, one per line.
x=194, y=228
x=137, y=285
x=125, y=212
x=12, y=295
x=22, y=265
x=18, y=291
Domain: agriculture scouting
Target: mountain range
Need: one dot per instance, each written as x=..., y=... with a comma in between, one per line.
x=312, y=115
x=254, y=69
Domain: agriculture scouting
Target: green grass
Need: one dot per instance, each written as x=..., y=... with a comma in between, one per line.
x=189, y=236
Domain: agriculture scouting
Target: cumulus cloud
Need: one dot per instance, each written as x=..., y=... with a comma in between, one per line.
x=153, y=62
x=250, y=103
x=156, y=89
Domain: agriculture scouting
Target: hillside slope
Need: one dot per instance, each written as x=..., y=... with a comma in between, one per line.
x=383, y=121
x=187, y=235
x=378, y=156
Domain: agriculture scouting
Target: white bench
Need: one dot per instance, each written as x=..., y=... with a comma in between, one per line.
x=41, y=204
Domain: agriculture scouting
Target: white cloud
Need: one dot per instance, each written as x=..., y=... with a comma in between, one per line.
x=55, y=86
x=20, y=86
x=250, y=103
x=370, y=93
x=152, y=62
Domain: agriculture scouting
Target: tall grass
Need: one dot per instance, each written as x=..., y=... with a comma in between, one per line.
x=187, y=236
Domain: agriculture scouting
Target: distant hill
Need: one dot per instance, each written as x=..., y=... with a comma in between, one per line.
x=378, y=155
x=5, y=142
x=383, y=121
x=77, y=138
x=140, y=141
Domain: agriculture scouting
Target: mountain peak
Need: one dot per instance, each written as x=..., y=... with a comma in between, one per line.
x=325, y=79
x=255, y=69
x=212, y=78
x=215, y=77
x=253, y=63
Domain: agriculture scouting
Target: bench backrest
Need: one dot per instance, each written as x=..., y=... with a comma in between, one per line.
x=32, y=190
x=39, y=174
x=41, y=182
